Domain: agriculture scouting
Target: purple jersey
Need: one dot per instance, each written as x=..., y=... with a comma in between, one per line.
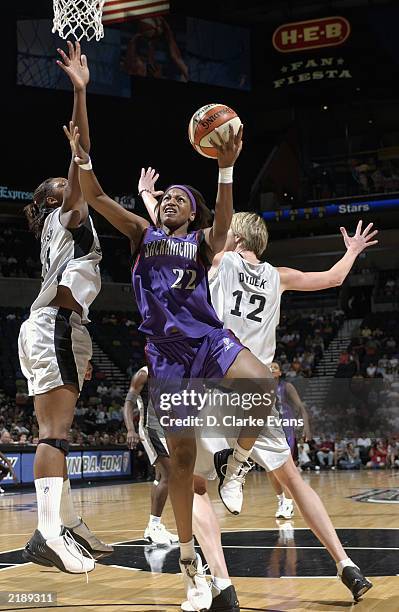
x=171, y=286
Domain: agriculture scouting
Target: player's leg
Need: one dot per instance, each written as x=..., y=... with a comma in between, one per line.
x=155, y=532
x=182, y=452
x=207, y=533
x=54, y=412
x=316, y=517
x=248, y=375
x=285, y=506
x=76, y=525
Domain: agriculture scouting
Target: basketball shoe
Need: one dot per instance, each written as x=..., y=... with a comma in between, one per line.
x=223, y=601
x=231, y=475
x=285, y=509
x=159, y=535
x=353, y=578
x=199, y=594
x=86, y=538
x=62, y=552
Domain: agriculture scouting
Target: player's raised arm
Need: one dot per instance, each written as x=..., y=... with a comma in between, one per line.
x=146, y=190
x=228, y=153
x=296, y=280
x=127, y=223
x=74, y=64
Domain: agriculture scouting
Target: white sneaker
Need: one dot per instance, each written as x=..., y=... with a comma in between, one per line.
x=285, y=509
x=198, y=591
x=231, y=475
x=2, y=491
x=158, y=534
x=63, y=552
x=86, y=538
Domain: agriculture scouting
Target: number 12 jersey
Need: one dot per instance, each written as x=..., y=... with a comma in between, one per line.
x=246, y=298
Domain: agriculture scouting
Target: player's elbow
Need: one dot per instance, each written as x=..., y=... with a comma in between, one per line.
x=336, y=280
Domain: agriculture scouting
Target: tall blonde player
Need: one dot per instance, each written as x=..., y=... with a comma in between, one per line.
x=246, y=295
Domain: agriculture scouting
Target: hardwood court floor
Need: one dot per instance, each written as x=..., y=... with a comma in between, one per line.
x=276, y=568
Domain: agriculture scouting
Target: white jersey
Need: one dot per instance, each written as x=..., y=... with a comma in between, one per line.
x=70, y=257
x=246, y=298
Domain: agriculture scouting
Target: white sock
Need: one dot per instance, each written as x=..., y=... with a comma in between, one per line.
x=187, y=550
x=69, y=518
x=240, y=454
x=154, y=520
x=221, y=583
x=345, y=563
x=281, y=497
x=48, y=493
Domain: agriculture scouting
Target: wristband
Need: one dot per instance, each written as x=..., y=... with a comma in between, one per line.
x=143, y=190
x=226, y=175
x=86, y=166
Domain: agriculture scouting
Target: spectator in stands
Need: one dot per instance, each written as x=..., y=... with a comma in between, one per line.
x=6, y=438
x=339, y=449
x=304, y=459
x=393, y=453
x=326, y=451
x=105, y=439
x=350, y=458
x=23, y=439
x=115, y=392
x=378, y=455
x=100, y=416
x=102, y=389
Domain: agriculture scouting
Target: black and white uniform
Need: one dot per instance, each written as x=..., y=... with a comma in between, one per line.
x=54, y=345
x=150, y=430
x=4, y=469
x=247, y=298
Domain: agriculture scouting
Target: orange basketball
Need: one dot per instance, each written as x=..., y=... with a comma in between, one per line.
x=203, y=123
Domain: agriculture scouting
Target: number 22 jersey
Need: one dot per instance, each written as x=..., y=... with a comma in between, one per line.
x=170, y=283
x=247, y=297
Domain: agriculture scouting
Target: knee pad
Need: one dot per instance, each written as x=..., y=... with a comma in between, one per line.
x=62, y=445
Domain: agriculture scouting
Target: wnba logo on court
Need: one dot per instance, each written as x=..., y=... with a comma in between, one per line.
x=311, y=34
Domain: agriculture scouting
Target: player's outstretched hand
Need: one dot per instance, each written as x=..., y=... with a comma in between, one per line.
x=75, y=66
x=361, y=240
x=79, y=154
x=147, y=181
x=229, y=150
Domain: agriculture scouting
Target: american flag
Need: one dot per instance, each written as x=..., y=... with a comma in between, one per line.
x=123, y=10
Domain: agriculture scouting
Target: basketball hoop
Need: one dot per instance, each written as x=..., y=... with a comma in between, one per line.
x=78, y=18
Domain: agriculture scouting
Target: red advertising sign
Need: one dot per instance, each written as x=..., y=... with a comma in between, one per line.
x=311, y=34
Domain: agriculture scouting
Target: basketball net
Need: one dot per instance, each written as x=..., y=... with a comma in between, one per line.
x=78, y=18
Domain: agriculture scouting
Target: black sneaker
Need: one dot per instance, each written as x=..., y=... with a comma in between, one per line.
x=226, y=601
x=223, y=601
x=37, y=551
x=353, y=578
